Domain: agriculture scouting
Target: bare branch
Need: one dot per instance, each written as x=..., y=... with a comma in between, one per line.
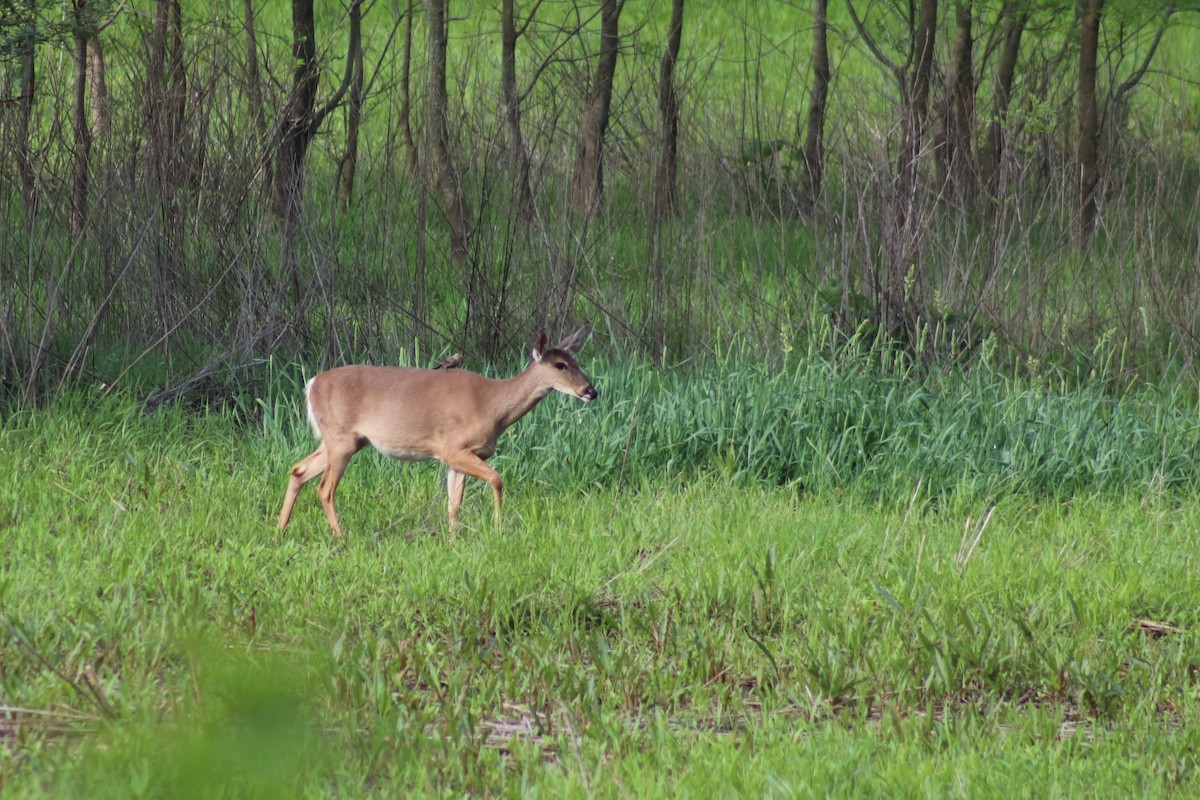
x=869, y=41
x=355, y=43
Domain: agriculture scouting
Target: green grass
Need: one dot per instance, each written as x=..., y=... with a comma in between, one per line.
x=685, y=619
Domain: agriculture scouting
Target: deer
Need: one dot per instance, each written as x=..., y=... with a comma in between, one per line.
x=454, y=416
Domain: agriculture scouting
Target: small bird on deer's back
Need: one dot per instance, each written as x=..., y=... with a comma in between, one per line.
x=450, y=362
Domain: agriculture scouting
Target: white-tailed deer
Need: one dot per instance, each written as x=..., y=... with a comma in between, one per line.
x=452, y=415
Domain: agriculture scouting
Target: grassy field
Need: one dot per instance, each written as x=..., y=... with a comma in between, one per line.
x=663, y=612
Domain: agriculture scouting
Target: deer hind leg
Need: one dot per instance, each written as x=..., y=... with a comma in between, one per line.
x=456, y=484
x=338, y=456
x=471, y=464
x=304, y=471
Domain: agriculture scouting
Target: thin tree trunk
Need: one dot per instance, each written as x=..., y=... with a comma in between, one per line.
x=406, y=134
x=915, y=111
x=958, y=110
x=899, y=297
x=176, y=107
x=301, y=121
x=587, y=182
x=296, y=125
x=668, y=107
x=155, y=81
x=349, y=161
x=1089, y=122
x=924, y=41
x=814, y=138
x=163, y=124
x=897, y=283
x=437, y=133
x=28, y=60
x=168, y=90
x=81, y=131
x=166, y=94
x=253, y=73
x=1015, y=18
x=295, y=130
x=522, y=192
x=97, y=87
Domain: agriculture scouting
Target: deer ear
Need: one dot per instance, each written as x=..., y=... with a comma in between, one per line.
x=575, y=341
x=540, y=347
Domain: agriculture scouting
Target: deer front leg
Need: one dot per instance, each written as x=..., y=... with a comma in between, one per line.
x=456, y=484
x=339, y=455
x=471, y=464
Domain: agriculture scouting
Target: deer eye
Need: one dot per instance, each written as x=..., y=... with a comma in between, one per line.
x=561, y=366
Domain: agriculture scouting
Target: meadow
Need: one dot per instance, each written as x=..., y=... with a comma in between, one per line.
x=847, y=574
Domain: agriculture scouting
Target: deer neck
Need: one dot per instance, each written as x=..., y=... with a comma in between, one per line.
x=519, y=395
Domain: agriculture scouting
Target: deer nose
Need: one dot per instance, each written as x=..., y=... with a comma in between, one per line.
x=589, y=393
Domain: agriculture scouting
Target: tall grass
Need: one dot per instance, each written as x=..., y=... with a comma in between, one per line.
x=871, y=422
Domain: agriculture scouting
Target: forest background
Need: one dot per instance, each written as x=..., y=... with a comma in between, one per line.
x=191, y=189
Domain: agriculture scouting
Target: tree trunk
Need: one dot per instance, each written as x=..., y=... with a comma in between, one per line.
x=1089, y=123
x=1015, y=18
x=164, y=124
x=814, y=138
x=349, y=161
x=81, y=131
x=587, y=182
x=166, y=96
x=253, y=73
x=301, y=121
x=406, y=134
x=898, y=298
x=295, y=129
x=97, y=87
x=668, y=106
x=28, y=61
x=437, y=133
x=923, y=49
x=522, y=193
x=176, y=77
x=915, y=110
x=953, y=152
x=897, y=283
